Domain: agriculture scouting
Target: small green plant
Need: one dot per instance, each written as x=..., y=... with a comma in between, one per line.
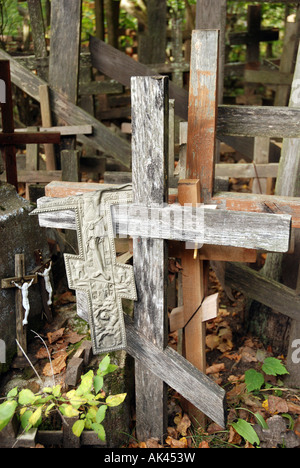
x=255, y=381
x=88, y=403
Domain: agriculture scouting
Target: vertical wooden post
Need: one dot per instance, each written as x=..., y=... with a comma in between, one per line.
x=202, y=113
x=20, y=329
x=47, y=122
x=200, y=155
x=9, y=152
x=149, y=96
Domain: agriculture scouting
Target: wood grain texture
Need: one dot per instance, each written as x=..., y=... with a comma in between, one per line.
x=264, y=290
x=179, y=374
x=149, y=97
x=202, y=114
x=65, y=47
x=249, y=230
x=102, y=138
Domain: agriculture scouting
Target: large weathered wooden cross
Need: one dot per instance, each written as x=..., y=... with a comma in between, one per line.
x=8, y=138
x=146, y=336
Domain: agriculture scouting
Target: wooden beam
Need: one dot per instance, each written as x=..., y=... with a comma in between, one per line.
x=259, y=203
x=179, y=374
x=149, y=183
x=219, y=227
x=64, y=60
x=102, y=138
x=121, y=67
x=262, y=289
x=202, y=115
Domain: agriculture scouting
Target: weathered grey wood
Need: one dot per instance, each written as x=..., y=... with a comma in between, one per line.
x=288, y=184
x=246, y=170
x=280, y=122
x=63, y=130
x=262, y=289
x=65, y=47
x=268, y=77
x=179, y=374
x=232, y=120
x=102, y=138
x=150, y=102
x=211, y=14
x=221, y=227
x=35, y=176
x=38, y=35
x=121, y=67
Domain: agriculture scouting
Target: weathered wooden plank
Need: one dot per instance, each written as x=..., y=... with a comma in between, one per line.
x=63, y=130
x=202, y=113
x=281, y=122
x=250, y=230
x=64, y=60
x=120, y=67
x=179, y=374
x=102, y=138
x=262, y=289
x=30, y=176
x=245, y=170
x=278, y=122
x=28, y=138
x=268, y=77
x=259, y=203
x=150, y=114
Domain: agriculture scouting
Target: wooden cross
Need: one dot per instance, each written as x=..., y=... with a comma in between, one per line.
x=254, y=36
x=19, y=279
x=8, y=138
x=147, y=337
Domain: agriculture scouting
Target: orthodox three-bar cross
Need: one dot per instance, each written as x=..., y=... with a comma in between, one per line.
x=8, y=138
x=144, y=212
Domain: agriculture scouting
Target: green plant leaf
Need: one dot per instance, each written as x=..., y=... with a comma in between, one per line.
x=26, y=397
x=70, y=412
x=273, y=366
x=245, y=430
x=36, y=416
x=86, y=383
x=49, y=408
x=13, y=393
x=78, y=427
x=98, y=383
x=7, y=410
x=24, y=418
x=103, y=365
x=261, y=421
x=56, y=391
x=115, y=400
x=254, y=380
x=101, y=413
x=99, y=429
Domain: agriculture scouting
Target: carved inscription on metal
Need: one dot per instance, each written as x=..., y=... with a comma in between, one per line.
x=99, y=280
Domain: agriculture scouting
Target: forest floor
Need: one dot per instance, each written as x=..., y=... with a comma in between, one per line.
x=271, y=408
x=230, y=352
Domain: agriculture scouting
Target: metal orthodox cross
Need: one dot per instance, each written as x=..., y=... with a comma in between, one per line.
x=156, y=363
x=8, y=138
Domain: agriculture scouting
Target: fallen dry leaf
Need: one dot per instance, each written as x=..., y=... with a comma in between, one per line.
x=293, y=408
x=56, y=335
x=183, y=425
x=212, y=341
x=56, y=366
x=73, y=337
x=277, y=405
x=174, y=443
x=215, y=368
x=234, y=437
x=204, y=444
x=153, y=443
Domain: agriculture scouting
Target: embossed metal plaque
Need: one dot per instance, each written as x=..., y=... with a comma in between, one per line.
x=99, y=280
